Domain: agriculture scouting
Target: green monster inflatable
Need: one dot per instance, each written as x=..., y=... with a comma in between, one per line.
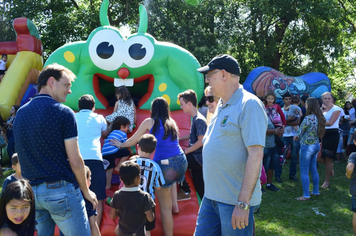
x=147, y=67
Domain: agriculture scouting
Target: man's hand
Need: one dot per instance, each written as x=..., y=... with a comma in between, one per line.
x=280, y=131
x=239, y=218
x=91, y=197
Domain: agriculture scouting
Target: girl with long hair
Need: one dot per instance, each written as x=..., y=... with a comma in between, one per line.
x=124, y=106
x=17, y=209
x=168, y=155
x=311, y=131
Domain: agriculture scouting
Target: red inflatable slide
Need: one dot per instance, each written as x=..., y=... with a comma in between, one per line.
x=185, y=220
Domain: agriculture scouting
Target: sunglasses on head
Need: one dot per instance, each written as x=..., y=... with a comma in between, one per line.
x=210, y=99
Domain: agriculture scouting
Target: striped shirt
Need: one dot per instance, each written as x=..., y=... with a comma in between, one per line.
x=110, y=149
x=151, y=175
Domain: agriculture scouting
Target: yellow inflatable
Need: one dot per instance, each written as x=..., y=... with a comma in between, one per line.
x=23, y=66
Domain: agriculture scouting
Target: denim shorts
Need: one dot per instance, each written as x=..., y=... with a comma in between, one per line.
x=173, y=169
x=353, y=203
x=270, y=158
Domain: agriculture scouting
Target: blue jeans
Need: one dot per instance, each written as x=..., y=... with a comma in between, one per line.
x=353, y=204
x=293, y=164
x=214, y=219
x=307, y=162
x=270, y=158
x=173, y=169
x=59, y=203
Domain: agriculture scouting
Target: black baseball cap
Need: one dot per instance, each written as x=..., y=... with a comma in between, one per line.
x=222, y=62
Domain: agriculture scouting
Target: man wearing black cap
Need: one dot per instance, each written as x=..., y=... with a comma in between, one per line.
x=232, y=153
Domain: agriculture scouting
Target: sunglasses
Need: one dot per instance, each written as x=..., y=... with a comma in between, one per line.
x=210, y=99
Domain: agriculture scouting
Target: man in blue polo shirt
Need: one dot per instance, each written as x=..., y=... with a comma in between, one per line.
x=91, y=127
x=46, y=141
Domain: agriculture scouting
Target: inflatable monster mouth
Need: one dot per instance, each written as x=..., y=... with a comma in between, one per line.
x=141, y=90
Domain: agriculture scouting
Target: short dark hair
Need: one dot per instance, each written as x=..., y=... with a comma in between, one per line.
x=14, y=159
x=54, y=70
x=295, y=99
x=16, y=107
x=4, y=55
x=86, y=102
x=129, y=171
x=304, y=98
x=120, y=121
x=147, y=143
x=189, y=96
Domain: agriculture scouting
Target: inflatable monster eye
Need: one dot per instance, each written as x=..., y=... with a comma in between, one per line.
x=105, y=50
x=139, y=52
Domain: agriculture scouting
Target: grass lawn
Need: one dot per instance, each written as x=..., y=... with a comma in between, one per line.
x=280, y=214
x=327, y=214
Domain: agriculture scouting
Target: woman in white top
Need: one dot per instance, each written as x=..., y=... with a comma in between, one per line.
x=330, y=141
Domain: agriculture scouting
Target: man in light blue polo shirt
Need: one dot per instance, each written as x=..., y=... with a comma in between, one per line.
x=91, y=127
x=232, y=153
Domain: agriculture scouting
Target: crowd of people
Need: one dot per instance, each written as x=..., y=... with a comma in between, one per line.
x=62, y=179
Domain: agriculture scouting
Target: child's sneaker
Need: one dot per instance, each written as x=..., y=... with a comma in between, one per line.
x=282, y=160
x=182, y=196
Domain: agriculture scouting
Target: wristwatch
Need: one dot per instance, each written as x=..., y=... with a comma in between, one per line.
x=243, y=206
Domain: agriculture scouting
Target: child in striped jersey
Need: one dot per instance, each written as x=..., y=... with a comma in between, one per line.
x=151, y=174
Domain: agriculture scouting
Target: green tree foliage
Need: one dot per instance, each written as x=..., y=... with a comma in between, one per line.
x=64, y=21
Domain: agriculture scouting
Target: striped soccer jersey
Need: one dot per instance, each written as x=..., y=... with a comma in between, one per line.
x=151, y=175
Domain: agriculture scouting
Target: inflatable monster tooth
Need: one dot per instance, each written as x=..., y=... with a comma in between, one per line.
x=148, y=68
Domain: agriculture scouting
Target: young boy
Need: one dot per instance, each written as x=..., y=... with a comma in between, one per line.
x=151, y=174
x=130, y=203
x=3, y=66
x=119, y=132
x=15, y=176
x=188, y=103
x=296, y=111
x=94, y=228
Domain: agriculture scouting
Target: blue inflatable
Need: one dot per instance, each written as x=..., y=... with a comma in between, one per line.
x=263, y=79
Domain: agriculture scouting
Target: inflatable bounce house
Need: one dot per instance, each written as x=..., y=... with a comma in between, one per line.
x=262, y=79
x=24, y=62
x=149, y=69
x=23, y=66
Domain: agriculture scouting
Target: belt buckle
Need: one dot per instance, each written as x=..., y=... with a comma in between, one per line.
x=53, y=185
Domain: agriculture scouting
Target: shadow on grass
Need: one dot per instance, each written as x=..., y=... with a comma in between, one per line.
x=327, y=214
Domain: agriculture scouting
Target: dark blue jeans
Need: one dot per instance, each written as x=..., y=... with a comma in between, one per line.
x=293, y=164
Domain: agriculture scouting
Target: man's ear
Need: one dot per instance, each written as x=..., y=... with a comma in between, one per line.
x=50, y=81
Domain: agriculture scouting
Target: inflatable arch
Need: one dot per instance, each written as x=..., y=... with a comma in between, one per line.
x=262, y=79
x=23, y=66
